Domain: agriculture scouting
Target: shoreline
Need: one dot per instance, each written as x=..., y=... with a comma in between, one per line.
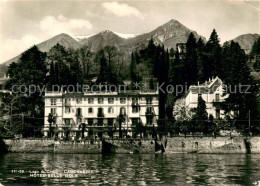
x=205, y=145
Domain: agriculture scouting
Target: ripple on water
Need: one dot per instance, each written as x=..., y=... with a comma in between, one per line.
x=135, y=169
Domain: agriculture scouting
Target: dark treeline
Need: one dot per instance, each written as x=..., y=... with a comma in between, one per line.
x=198, y=62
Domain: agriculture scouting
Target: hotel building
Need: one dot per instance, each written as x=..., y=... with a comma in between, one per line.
x=99, y=111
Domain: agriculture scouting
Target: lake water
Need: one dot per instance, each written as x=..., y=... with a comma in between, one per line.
x=57, y=169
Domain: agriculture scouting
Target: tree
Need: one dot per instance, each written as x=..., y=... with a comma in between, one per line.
x=121, y=118
x=84, y=55
x=103, y=70
x=191, y=58
x=110, y=53
x=201, y=116
x=82, y=126
x=256, y=48
x=201, y=61
x=61, y=60
x=30, y=70
x=238, y=80
x=76, y=75
x=133, y=69
x=50, y=121
x=213, y=56
x=138, y=129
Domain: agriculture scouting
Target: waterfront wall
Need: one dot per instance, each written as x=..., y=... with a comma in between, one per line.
x=49, y=145
x=84, y=147
x=29, y=145
x=143, y=146
x=125, y=146
x=212, y=145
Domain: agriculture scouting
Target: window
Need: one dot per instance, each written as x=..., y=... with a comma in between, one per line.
x=135, y=109
x=134, y=101
x=149, y=110
x=110, y=100
x=235, y=114
x=100, y=100
x=149, y=101
x=110, y=121
x=217, y=97
x=122, y=111
x=90, y=122
x=149, y=120
x=217, y=113
x=110, y=110
x=78, y=100
x=90, y=100
x=53, y=101
x=67, y=121
x=67, y=110
x=122, y=100
x=100, y=121
x=100, y=112
x=53, y=111
x=135, y=121
x=78, y=112
x=67, y=101
x=90, y=110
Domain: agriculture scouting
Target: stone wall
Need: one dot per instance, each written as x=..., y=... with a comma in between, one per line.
x=30, y=145
x=48, y=145
x=123, y=146
x=212, y=145
x=84, y=147
x=255, y=144
x=173, y=145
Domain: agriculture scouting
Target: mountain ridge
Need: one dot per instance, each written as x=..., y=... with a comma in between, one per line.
x=246, y=41
x=167, y=34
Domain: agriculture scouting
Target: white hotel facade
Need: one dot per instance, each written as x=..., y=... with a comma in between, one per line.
x=100, y=110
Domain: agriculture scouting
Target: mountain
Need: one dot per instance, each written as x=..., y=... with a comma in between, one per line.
x=63, y=39
x=167, y=34
x=246, y=41
x=105, y=38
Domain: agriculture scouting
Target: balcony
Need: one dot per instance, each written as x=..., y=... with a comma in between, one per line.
x=148, y=103
x=218, y=100
x=135, y=103
x=100, y=115
x=67, y=104
x=149, y=113
x=78, y=115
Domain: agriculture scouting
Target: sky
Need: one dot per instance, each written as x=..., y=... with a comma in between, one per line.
x=24, y=23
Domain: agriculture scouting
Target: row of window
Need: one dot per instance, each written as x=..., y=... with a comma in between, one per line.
x=216, y=97
x=101, y=100
x=100, y=110
x=110, y=121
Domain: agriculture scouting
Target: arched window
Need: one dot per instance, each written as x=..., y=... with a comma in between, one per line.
x=90, y=110
x=122, y=110
x=110, y=110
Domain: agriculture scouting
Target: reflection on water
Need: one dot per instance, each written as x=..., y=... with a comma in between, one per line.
x=130, y=169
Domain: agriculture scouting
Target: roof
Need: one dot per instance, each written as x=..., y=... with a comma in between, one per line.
x=207, y=87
